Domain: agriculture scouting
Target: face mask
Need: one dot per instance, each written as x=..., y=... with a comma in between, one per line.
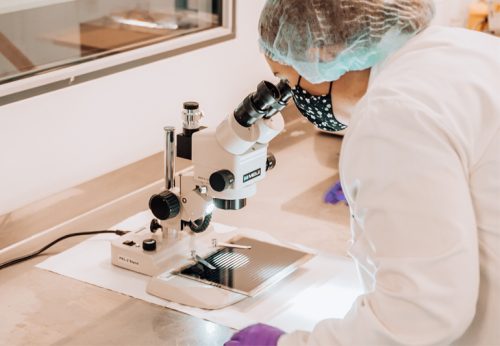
x=317, y=109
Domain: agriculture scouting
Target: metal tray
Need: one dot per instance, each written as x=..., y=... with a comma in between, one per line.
x=246, y=271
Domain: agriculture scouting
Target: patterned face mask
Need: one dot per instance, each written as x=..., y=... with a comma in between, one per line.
x=317, y=109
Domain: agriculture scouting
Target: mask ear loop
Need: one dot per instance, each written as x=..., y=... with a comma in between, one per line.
x=298, y=82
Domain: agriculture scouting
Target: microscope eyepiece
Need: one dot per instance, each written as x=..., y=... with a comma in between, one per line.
x=285, y=96
x=257, y=105
x=285, y=92
x=266, y=95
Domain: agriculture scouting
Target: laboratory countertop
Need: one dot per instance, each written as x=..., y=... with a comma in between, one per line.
x=42, y=308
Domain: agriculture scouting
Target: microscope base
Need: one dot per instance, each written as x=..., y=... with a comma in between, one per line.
x=170, y=255
x=174, y=272
x=191, y=293
x=171, y=252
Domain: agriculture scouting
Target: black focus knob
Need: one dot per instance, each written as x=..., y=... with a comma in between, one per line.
x=191, y=105
x=270, y=162
x=164, y=205
x=221, y=180
x=149, y=245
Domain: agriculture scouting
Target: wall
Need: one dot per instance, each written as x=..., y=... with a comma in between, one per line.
x=57, y=140
x=19, y=5
x=451, y=12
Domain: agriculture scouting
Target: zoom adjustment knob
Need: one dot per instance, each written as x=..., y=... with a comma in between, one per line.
x=221, y=180
x=165, y=205
x=270, y=162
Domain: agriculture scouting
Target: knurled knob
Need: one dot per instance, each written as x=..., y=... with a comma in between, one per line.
x=221, y=180
x=270, y=161
x=164, y=205
x=191, y=105
x=149, y=245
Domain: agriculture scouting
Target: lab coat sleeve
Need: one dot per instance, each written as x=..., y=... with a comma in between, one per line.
x=414, y=233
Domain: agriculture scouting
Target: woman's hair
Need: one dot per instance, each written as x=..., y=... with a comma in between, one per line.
x=314, y=35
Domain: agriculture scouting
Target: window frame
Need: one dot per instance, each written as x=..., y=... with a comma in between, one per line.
x=89, y=68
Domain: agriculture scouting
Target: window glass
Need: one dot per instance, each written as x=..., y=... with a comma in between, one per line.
x=39, y=35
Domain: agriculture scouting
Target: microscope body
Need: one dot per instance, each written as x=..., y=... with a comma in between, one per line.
x=228, y=177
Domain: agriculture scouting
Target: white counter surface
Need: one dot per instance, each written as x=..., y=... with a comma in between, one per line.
x=41, y=308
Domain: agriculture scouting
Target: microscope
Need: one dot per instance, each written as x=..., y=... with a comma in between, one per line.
x=227, y=163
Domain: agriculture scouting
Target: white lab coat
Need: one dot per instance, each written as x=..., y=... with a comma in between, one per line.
x=420, y=166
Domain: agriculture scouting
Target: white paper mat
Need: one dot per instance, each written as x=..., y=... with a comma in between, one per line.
x=324, y=287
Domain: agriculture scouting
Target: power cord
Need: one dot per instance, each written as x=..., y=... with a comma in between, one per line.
x=36, y=253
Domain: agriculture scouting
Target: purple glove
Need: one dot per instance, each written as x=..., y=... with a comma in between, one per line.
x=335, y=194
x=256, y=335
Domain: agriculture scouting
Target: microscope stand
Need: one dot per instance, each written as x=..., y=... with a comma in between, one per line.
x=172, y=252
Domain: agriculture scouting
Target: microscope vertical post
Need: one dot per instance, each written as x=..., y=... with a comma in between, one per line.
x=169, y=157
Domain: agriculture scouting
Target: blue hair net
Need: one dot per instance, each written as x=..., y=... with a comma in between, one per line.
x=324, y=39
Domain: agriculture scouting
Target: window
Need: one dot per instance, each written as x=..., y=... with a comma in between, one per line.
x=46, y=41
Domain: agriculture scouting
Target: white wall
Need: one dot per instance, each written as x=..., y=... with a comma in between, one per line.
x=452, y=12
x=57, y=140
x=19, y=5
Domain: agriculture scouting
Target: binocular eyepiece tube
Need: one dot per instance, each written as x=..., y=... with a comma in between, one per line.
x=268, y=100
x=238, y=133
x=285, y=96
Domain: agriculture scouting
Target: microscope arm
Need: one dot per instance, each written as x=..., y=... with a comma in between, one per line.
x=227, y=162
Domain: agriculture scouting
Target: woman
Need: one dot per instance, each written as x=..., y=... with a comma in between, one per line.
x=420, y=164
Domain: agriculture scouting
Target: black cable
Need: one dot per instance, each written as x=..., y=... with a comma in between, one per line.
x=36, y=253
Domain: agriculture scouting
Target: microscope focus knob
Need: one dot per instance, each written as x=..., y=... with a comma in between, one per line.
x=221, y=180
x=165, y=205
x=270, y=162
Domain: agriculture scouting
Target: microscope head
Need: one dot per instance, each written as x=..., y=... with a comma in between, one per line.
x=231, y=160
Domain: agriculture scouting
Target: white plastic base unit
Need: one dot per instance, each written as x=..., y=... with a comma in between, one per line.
x=192, y=293
x=172, y=251
x=172, y=254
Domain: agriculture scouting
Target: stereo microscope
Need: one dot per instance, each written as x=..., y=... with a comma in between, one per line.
x=227, y=164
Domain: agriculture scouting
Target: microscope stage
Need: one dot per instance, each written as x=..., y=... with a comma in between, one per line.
x=229, y=274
